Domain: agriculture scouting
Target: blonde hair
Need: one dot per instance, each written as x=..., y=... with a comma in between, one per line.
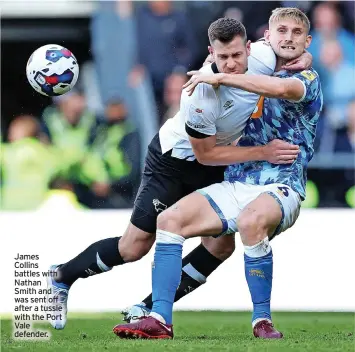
x=291, y=13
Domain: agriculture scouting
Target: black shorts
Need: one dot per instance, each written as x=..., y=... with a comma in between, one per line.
x=165, y=180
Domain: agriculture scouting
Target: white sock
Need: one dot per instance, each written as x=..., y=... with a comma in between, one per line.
x=258, y=250
x=260, y=319
x=157, y=317
x=169, y=237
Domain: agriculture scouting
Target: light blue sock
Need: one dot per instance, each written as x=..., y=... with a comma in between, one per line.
x=258, y=273
x=166, y=272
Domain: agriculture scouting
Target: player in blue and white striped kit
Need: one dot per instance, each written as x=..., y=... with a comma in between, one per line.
x=257, y=199
x=248, y=186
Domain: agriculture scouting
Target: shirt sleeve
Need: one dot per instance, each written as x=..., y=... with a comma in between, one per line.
x=200, y=111
x=311, y=84
x=262, y=59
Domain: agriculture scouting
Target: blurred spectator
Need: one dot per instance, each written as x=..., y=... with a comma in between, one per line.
x=255, y=17
x=345, y=141
x=67, y=125
x=89, y=83
x=200, y=15
x=165, y=41
x=114, y=46
x=345, y=9
x=303, y=5
x=27, y=166
x=338, y=88
x=60, y=197
x=327, y=25
x=341, y=193
x=115, y=143
x=172, y=94
x=351, y=124
x=339, y=84
x=116, y=71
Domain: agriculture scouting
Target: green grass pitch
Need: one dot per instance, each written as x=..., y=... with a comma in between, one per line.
x=197, y=331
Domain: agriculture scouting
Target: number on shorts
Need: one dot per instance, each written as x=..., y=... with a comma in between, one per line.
x=284, y=191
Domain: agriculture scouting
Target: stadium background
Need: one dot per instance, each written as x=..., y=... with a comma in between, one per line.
x=133, y=58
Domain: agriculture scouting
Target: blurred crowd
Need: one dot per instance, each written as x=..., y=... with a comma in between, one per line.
x=88, y=147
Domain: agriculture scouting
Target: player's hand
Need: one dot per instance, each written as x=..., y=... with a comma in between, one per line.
x=198, y=77
x=281, y=152
x=209, y=60
x=304, y=62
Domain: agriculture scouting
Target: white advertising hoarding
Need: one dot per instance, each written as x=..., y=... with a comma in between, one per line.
x=313, y=263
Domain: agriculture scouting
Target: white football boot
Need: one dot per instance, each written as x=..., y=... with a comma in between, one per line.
x=134, y=313
x=58, y=297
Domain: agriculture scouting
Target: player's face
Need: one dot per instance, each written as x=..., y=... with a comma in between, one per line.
x=231, y=57
x=288, y=38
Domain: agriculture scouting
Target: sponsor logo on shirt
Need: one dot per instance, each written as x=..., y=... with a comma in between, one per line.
x=196, y=119
x=308, y=75
x=196, y=125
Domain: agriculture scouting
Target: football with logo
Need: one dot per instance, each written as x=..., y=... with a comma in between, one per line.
x=52, y=70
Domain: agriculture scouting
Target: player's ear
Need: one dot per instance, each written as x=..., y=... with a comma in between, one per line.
x=308, y=41
x=210, y=49
x=267, y=35
x=248, y=47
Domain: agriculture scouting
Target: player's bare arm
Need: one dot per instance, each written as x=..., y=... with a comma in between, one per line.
x=271, y=87
x=208, y=153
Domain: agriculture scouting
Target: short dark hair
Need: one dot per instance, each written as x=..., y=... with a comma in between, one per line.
x=225, y=30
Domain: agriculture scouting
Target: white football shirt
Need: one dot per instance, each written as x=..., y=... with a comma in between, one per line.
x=221, y=111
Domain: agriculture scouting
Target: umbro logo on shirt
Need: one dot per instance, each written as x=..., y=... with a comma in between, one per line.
x=228, y=104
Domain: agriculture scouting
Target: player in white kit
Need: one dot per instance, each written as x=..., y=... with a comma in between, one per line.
x=182, y=157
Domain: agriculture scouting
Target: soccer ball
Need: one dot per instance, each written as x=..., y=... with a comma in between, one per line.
x=52, y=70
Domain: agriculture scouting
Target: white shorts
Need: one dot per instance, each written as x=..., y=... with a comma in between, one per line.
x=228, y=199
